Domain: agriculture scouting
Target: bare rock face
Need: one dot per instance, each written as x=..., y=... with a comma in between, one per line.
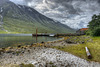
x=3, y=1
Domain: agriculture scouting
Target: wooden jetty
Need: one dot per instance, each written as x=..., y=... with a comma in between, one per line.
x=56, y=35
x=40, y=34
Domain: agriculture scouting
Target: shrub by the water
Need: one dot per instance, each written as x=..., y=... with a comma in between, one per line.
x=96, y=32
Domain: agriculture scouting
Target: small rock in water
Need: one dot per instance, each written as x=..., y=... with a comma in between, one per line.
x=42, y=42
x=19, y=46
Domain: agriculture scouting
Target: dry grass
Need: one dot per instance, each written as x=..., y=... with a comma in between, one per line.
x=79, y=50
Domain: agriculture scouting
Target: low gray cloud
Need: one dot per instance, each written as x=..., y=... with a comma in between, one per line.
x=74, y=13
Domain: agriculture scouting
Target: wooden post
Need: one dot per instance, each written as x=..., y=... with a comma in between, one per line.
x=88, y=53
x=36, y=34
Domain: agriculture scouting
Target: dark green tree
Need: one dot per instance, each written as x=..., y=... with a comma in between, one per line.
x=96, y=31
x=94, y=25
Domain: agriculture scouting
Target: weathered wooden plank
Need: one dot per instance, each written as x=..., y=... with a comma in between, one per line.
x=88, y=53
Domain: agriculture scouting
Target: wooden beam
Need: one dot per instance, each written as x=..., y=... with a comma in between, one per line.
x=88, y=53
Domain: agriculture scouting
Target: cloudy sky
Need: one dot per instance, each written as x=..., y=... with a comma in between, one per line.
x=74, y=13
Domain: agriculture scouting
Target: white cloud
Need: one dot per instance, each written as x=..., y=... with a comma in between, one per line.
x=18, y=1
x=74, y=13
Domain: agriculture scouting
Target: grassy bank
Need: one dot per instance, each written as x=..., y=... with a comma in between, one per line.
x=79, y=50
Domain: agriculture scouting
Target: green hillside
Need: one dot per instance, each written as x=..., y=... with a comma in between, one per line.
x=23, y=19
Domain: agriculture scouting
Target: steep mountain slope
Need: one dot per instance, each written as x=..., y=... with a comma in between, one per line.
x=22, y=19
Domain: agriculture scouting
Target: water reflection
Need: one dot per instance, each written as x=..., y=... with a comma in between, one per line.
x=15, y=40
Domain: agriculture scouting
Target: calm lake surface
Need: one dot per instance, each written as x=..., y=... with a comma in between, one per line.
x=7, y=40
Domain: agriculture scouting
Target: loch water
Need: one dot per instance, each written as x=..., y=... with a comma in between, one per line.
x=7, y=40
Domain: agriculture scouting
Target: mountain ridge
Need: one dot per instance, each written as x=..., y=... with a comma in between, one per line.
x=24, y=19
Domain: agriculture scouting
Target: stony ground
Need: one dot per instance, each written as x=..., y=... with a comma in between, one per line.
x=44, y=57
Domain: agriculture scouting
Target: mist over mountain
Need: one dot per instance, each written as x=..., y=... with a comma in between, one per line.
x=74, y=13
x=16, y=18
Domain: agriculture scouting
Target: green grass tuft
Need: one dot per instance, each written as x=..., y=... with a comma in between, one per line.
x=26, y=65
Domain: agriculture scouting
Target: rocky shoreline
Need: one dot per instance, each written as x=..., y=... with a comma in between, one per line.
x=42, y=57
